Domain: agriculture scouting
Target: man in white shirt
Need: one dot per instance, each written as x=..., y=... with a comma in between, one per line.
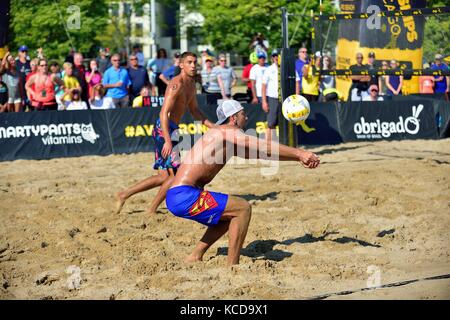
x=256, y=76
x=269, y=90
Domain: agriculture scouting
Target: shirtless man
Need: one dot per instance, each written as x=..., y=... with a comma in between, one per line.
x=179, y=98
x=220, y=212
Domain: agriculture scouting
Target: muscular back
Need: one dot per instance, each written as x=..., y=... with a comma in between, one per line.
x=206, y=158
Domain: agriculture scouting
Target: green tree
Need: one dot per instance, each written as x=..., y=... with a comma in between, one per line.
x=437, y=32
x=231, y=24
x=58, y=25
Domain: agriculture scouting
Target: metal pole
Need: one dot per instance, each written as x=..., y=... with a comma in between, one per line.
x=153, y=27
x=284, y=28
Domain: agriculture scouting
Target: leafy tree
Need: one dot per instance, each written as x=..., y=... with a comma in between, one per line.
x=437, y=31
x=58, y=25
x=231, y=24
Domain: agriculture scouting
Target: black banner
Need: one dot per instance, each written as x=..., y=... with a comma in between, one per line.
x=321, y=127
x=45, y=135
x=362, y=121
x=54, y=134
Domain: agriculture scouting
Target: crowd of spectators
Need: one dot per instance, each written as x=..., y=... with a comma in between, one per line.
x=106, y=82
x=119, y=80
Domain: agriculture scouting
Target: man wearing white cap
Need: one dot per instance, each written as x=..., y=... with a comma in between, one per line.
x=221, y=212
x=441, y=83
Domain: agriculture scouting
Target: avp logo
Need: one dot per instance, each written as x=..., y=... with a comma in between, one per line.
x=378, y=129
x=88, y=133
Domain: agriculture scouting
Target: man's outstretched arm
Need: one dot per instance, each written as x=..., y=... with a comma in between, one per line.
x=255, y=148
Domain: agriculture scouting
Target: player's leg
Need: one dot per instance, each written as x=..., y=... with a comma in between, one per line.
x=141, y=186
x=161, y=195
x=235, y=219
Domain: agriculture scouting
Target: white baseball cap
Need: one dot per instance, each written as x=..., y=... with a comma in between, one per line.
x=226, y=109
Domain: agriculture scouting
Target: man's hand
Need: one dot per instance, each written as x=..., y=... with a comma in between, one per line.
x=309, y=159
x=119, y=84
x=255, y=100
x=265, y=106
x=167, y=149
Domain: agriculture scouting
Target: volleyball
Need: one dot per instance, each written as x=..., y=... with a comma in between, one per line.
x=295, y=108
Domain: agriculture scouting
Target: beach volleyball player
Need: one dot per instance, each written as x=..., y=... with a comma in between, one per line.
x=187, y=198
x=180, y=97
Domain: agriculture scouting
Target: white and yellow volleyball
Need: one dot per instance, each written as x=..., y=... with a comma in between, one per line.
x=295, y=108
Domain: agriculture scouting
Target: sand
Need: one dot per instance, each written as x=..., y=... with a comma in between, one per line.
x=374, y=213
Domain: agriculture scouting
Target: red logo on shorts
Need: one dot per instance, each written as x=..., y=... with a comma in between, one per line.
x=204, y=202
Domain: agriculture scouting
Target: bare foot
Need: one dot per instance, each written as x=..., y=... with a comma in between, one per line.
x=120, y=201
x=191, y=259
x=152, y=211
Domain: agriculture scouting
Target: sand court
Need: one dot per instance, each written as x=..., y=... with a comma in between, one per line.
x=373, y=214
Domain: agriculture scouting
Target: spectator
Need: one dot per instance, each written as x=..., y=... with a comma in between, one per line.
x=360, y=83
x=75, y=101
x=11, y=77
x=138, y=77
x=259, y=44
x=311, y=82
x=117, y=81
x=270, y=100
x=137, y=52
x=3, y=97
x=373, y=94
x=206, y=74
x=98, y=100
x=71, y=83
x=426, y=82
x=382, y=87
x=23, y=66
x=253, y=59
x=54, y=69
x=34, y=69
x=158, y=66
x=256, y=77
x=394, y=83
x=374, y=79
x=70, y=56
x=59, y=90
x=144, y=100
x=79, y=71
x=168, y=75
x=326, y=81
x=205, y=55
x=226, y=77
x=441, y=83
x=299, y=66
x=93, y=77
x=103, y=61
x=42, y=94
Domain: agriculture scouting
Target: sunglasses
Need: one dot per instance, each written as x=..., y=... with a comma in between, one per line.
x=43, y=65
x=222, y=60
x=373, y=90
x=303, y=51
x=115, y=60
x=130, y=59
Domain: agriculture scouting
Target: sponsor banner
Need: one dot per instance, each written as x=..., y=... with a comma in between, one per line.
x=45, y=135
x=321, y=127
x=367, y=121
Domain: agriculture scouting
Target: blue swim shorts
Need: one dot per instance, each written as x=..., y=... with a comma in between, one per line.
x=173, y=160
x=196, y=204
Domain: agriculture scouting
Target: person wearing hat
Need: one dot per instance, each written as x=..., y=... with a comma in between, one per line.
x=206, y=76
x=441, y=83
x=221, y=213
x=23, y=65
x=256, y=76
x=253, y=59
x=373, y=94
x=374, y=79
x=270, y=97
